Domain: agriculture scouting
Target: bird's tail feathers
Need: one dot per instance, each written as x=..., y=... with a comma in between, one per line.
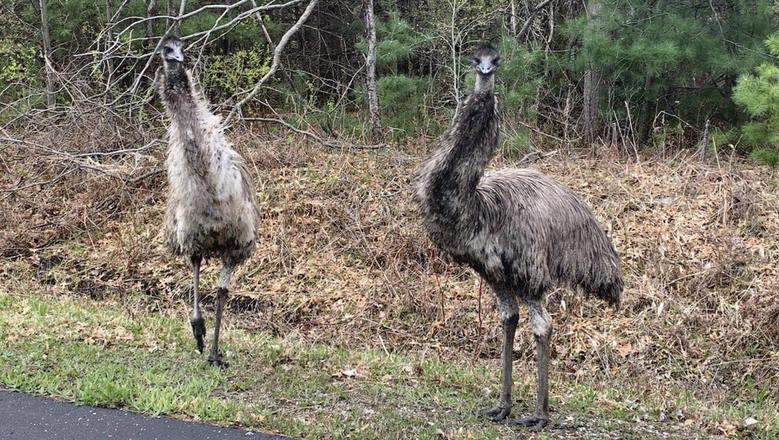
x=609, y=291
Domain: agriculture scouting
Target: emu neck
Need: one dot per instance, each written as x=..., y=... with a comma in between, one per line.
x=177, y=94
x=467, y=149
x=182, y=107
x=484, y=84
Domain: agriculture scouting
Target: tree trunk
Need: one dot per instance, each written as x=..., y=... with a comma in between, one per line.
x=591, y=117
x=169, y=13
x=644, y=125
x=50, y=96
x=150, y=11
x=455, y=38
x=109, y=40
x=513, y=18
x=177, y=23
x=373, y=101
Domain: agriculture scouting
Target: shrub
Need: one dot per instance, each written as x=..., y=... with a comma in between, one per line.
x=758, y=95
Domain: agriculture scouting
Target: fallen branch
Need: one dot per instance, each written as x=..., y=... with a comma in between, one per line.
x=325, y=143
x=143, y=176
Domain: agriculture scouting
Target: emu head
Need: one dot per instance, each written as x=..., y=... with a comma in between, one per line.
x=485, y=60
x=172, y=52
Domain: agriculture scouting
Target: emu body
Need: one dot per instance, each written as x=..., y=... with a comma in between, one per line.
x=522, y=231
x=211, y=211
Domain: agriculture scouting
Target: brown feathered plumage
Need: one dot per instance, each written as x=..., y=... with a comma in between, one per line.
x=522, y=231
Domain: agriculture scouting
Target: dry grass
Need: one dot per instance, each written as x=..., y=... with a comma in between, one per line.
x=342, y=260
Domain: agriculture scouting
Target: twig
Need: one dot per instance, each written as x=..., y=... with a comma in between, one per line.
x=151, y=173
x=534, y=129
x=151, y=143
x=438, y=284
x=329, y=144
x=48, y=182
x=705, y=142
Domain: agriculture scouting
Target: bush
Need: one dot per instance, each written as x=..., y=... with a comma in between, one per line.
x=225, y=75
x=401, y=98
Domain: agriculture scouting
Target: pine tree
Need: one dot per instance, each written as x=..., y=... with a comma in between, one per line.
x=758, y=94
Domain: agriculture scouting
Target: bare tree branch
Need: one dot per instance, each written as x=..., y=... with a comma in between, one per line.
x=276, y=61
x=530, y=18
x=177, y=22
x=325, y=143
x=149, y=13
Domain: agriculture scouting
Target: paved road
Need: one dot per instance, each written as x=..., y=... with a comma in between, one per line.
x=26, y=417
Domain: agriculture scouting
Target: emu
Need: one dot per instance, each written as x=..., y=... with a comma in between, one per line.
x=211, y=210
x=521, y=231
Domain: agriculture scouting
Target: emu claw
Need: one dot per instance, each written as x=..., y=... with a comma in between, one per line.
x=496, y=414
x=216, y=361
x=532, y=423
x=199, y=330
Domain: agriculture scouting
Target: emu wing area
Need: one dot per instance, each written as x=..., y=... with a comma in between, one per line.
x=531, y=233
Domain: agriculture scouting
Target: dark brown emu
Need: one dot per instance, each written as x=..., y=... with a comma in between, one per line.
x=211, y=211
x=523, y=232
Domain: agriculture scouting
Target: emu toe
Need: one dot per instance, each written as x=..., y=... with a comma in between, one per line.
x=532, y=423
x=496, y=414
x=199, y=331
x=216, y=361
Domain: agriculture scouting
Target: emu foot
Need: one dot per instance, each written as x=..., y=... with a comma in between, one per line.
x=532, y=423
x=199, y=330
x=496, y=414
x=216, y=361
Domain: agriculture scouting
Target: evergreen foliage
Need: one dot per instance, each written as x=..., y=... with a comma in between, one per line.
x=681, y=57
x=665, y=67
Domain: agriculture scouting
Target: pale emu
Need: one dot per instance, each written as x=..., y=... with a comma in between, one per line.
x=520, y=230
x=211, y=210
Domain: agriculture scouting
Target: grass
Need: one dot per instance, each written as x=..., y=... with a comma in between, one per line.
x=100, y=353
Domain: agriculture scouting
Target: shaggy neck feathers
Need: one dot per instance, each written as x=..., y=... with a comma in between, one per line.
x=183, y=106
x=466, y=149
x=484, y=84
x=176, y=92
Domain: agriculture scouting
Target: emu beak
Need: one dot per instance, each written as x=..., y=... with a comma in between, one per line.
x=177, y=55
x=485, y=67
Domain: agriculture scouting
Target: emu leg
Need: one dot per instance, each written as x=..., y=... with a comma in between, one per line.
x=197, y=321
x=542, y=331
x=503, y=408
x=215, y=357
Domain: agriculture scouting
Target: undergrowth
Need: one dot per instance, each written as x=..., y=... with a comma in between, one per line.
x=343, y=263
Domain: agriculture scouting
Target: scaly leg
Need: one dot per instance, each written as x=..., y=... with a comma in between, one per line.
x=542, y=331
x=509, y=311
x=197, y=321
x=215, y=358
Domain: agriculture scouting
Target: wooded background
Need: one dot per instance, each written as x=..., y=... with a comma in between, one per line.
x=630, y=74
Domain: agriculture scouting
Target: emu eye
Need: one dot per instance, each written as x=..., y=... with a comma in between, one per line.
x=496, y=61
x=168, y=49
x=476, y=60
